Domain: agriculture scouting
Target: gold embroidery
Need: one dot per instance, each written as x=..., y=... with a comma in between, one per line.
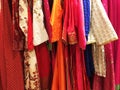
x=72, y=38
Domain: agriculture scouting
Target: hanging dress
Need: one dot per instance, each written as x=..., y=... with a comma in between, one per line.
x=32, y=80
x=59, y=81
x=74, y=54
x=116, y=46
x=114, y=15
x=11, y=71
x=100, y=83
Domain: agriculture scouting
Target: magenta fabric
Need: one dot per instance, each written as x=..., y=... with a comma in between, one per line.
x=116, y=45
x=109, y=50
x=114, y=15
x=107, y=83
x=47, y=18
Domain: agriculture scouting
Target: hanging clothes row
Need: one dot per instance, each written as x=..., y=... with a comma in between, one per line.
x=56, y=45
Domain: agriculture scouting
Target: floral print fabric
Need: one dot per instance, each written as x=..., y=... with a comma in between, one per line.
x=39, y=32
x=32, y=80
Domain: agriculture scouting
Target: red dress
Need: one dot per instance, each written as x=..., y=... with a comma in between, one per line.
x=43, y=61
x=73, y=29
x=11, y=71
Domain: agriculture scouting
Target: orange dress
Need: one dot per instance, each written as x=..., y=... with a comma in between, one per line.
x=58, y=82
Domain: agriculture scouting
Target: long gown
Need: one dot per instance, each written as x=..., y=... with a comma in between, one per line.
x=107, y=83
x=114, y=14
x=74, y=57
x=11, y=71
x=111, y=7
x=58, y=82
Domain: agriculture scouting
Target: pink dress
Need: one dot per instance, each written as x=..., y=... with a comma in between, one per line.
x=113, y=11
x=115, y=18
x=107, y=83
